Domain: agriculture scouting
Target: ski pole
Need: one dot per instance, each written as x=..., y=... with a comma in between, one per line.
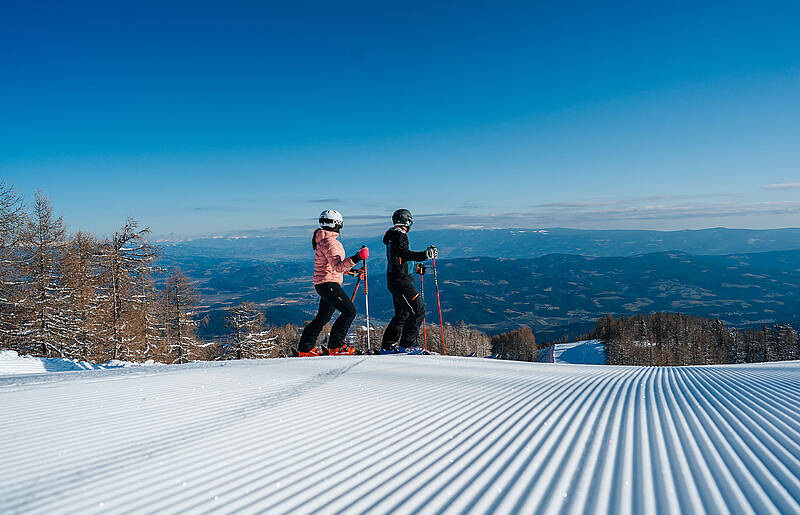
x=358, y=282
x=366, y=303
x=421, y=272
x=439, y=303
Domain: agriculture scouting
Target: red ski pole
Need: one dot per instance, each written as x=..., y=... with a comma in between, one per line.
x=421, y=272
x=358, y=282
x=439, y=303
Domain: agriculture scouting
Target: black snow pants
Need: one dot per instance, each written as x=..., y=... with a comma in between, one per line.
x=332, y=297
x=409, y=310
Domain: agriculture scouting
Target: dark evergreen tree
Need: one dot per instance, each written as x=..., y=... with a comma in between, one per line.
x=518, y=345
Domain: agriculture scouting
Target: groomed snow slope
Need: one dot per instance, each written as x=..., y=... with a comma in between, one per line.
x=12, y=363
x=586, y=352
x=404, y=433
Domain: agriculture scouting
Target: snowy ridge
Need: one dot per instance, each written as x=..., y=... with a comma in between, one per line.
x=404, y=433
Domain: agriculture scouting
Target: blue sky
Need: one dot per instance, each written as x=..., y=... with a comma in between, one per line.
x=203, y=118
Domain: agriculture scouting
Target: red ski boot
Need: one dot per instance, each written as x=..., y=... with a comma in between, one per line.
x=310, y=354
x=344, y=350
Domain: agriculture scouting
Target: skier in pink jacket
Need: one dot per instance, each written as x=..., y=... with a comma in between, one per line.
x=330, y=264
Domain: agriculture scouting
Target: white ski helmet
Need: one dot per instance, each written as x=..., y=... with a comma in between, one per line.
x=331, y=219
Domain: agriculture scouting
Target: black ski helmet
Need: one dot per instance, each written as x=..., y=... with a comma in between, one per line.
x=402, y=217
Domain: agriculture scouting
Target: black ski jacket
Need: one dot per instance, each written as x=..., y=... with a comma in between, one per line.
x=398, y=255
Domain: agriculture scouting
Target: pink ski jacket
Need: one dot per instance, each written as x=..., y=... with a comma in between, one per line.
x=329, y=260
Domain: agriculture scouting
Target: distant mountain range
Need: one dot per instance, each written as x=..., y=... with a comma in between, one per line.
x=556, y=295
x=294, y=245
x=562, y=293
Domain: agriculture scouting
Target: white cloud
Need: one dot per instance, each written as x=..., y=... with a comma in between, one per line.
x=783, y=186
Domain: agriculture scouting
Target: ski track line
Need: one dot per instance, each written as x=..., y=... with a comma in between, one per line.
x=769, y=387
x=737, y=463
x=386, y=464
x=368, y=434
x=744, y=444
x=322, y=449
x=493, y=456
x=450, y=477
x=205, y=419
x=461, y=497
x=511, y=456
x=610, y=463
x=403, y=434
x=251, y=467
x=731, y=458
x=578, y=487
x=478, y=419
x=212, y=461
x=772, y=431
x=714, y=480
x=149, y=454
x=788, y=416
x=472, y=450
x=550, y=449
x=555, y=448
x=112, y=458
x=309, y=450
x=694, y=467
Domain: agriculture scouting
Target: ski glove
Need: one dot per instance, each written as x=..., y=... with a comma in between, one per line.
x=361, y=254
x=432, y=252
x=356, y=272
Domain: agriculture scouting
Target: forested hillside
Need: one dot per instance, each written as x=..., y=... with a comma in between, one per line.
x=559, y=295
x=677, y=339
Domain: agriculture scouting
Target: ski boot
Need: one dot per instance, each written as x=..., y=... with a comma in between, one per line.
x=316, y=351
x=344, y=350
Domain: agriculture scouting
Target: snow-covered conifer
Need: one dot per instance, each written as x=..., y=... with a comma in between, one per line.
x=250, y=337
x=125, y=261
x=43, y=245
x=80, y=277
x=12, y=219
x=180, y=302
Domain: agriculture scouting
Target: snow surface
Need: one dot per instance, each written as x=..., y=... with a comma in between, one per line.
x=587, y=352
x=402, y=433
x=12, y=363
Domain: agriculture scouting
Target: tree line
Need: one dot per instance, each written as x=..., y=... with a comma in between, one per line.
x=658, y=339
x=459, y=339
x=80, y=297
x=518, y=345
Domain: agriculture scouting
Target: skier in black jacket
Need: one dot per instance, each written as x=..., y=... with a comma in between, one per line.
x=402, y=332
